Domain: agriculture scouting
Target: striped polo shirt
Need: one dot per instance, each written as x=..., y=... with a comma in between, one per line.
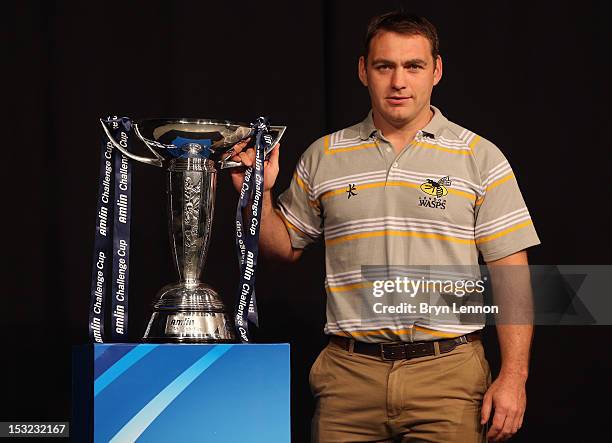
x=445, y=198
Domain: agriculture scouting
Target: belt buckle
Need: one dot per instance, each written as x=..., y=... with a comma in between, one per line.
x=392, y=352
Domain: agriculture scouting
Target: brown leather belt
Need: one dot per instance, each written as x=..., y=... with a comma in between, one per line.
x=403, y=351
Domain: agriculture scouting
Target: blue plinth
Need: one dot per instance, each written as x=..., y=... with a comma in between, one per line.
x=181, y=393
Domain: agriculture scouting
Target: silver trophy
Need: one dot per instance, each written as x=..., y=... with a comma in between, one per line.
x=192, y=151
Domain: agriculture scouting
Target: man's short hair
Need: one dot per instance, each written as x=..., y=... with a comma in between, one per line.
x=403, y=23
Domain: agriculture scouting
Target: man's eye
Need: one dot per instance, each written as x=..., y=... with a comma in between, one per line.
x=383, y=67
x=414, y=67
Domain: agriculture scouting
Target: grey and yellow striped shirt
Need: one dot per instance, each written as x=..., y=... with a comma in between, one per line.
x=446, y=197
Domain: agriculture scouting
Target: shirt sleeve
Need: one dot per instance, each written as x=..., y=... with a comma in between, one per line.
x=503, y=224
x=298, y=209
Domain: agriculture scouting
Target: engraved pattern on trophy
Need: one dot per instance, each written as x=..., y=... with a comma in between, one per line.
x=191, y=202
x=191, y=151
x=192, y=211
x=191, y=216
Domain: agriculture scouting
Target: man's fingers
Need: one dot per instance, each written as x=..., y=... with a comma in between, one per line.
x=238, y=147
x=247, y=158
x=485, y=411
x=515, y=425
x=517, y=415
x=498, y=424
x=274, y=155
x=518, y=422
x=508, y=428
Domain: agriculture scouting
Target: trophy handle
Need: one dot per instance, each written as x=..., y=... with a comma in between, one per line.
x=157, y=161
x=232, y=164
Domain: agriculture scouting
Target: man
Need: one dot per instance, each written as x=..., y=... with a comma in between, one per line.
x=403, y=187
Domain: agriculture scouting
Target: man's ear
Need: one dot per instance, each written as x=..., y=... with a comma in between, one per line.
x=438, y=70
x=363, y=75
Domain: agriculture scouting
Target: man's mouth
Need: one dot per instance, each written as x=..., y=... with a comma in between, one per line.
x=397, y=99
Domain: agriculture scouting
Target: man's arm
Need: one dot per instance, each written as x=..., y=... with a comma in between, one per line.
x=511, y=286
x=274, y=241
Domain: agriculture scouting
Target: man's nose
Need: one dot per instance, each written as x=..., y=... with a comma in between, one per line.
x=398, y=80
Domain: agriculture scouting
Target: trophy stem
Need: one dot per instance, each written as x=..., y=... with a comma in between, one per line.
x=192, y=186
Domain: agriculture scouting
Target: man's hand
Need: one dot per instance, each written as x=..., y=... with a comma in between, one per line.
x=274, y=241
x=247, y=157
x=508, y=398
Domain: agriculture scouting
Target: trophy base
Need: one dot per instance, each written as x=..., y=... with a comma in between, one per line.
x=190, y=313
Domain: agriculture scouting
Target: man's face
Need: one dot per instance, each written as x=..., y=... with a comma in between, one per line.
x=400, y=75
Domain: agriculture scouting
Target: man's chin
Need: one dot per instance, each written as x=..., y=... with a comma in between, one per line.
x=399, y=118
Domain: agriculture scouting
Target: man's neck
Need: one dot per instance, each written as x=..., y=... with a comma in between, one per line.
x=401, y=135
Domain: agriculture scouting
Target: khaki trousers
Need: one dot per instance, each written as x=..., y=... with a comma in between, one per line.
x=360, y=398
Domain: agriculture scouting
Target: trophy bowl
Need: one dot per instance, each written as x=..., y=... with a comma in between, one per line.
x=191, y=151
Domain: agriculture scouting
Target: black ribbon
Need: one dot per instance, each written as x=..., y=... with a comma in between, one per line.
x=114, y=206
x=247, y=237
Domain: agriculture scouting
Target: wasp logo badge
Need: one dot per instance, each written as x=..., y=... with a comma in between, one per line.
x=437, y=189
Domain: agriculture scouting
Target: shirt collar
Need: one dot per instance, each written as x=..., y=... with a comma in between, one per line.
x=366, y=127
x=433, y=128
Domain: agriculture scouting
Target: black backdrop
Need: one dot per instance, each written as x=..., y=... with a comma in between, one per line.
x=531, y=76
